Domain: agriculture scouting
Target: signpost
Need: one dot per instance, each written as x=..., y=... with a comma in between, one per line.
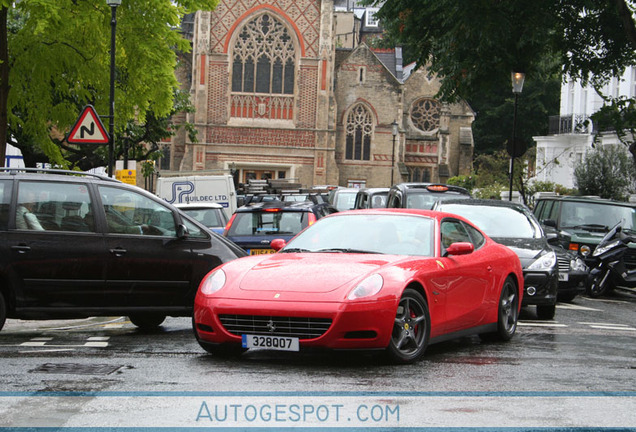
x=88, y=129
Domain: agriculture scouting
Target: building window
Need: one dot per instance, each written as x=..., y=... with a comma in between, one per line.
x=425, y=114
x=371, y=21
x=359, y=129
x=263, y=70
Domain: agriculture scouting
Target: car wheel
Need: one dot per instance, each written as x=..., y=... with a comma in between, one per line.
x=3, y=310
x=411, y=328
x=147, y=321
x=508, y=313
x=599, y=284
x=546, y=312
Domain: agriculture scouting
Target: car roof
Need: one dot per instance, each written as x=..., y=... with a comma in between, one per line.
x=587, y=198
x=482, y=202
x=198, y=206
x=56, y=174
x=424, y=187
x=281, y=205
x=374, y=190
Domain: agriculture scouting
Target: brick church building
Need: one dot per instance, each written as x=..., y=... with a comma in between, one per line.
x=291, y=89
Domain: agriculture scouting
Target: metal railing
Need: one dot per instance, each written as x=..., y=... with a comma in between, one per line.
x=570, y=124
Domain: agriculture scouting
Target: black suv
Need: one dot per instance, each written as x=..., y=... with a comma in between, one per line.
x=254, y=226
x=580, y=223
x=423, y=195
x=76, y=245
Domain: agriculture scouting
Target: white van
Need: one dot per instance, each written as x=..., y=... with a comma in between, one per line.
x=199, y=190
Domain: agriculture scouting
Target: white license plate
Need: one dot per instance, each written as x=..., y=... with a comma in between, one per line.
x=563, y=277
x=279, y=343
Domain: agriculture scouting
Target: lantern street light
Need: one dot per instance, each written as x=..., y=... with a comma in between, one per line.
x=394, y=132
x=111, y=125
x=517, y=86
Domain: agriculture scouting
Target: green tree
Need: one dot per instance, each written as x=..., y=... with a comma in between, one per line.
x=473, y=45
x=54, y=59
x=608, y=172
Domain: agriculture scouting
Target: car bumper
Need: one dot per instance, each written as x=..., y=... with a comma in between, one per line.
x=355, y=325
x=575, y=283
x=540, y=288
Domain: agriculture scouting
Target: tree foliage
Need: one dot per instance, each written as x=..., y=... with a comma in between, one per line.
x=608, y=172
x=58, y=60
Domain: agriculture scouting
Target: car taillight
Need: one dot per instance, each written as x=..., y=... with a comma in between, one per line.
x=229, y=224
x=437, y=188
x=271, y=210
x=311, y=219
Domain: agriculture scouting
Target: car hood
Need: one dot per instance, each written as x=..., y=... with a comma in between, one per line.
x=527, y=249
x=310, y=272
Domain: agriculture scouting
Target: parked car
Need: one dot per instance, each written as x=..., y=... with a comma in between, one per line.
x=343, y=198
x=211, y=215
x=254, y=226
x=77, y=245
x=423, y=195
x=371, y=198
x=514, y=225
x=579, y=223
x=396, y=280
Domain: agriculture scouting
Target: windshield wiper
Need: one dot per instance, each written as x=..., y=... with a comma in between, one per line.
x=592, y=227
x=295, y=250
x=347, y=250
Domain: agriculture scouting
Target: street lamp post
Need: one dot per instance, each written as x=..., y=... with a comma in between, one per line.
x=394, y=132
x=111, y=125
x=517, y=86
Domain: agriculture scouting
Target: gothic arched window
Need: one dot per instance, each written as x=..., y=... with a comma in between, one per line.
x=425, y=114
x=359, y=129
x=263, y=70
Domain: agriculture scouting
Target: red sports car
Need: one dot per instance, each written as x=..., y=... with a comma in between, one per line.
x=390, y=279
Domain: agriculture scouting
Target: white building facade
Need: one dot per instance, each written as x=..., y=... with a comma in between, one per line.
x=571, y=133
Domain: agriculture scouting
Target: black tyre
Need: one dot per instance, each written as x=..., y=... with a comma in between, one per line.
x=546, y=312
x=411, y=328
x=3, y=310
x=508, y=313
x=599, y=284
x=147, y=321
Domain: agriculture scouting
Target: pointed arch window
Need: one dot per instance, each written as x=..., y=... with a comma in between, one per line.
x=359, y=130
x=263, y=70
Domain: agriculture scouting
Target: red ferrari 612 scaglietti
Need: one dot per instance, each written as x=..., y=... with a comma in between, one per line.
x=390, y=279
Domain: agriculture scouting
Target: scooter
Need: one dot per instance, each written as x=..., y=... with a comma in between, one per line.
x=608, y=269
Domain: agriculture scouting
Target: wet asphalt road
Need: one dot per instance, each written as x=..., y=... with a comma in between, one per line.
x=589, y=349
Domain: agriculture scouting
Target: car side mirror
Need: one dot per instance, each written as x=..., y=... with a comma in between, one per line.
x=278, y=244
x=460, y=248
x=550, y=222
x=182, y=231
x=552, y=237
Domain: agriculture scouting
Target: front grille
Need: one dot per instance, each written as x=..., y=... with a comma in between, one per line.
x=302, y=328
x=564, y=264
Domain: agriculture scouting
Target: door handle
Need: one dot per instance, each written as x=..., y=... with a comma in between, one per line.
x=118, y=251
x=489, y=268
x=21, y=248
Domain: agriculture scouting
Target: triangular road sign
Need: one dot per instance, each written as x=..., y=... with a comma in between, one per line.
x=88, y=129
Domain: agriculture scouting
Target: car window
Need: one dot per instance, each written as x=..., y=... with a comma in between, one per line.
x=54, y=206
x=477, y=238
x=128, y=212
x=268, y=223
x=378, y=201
x=453, y=231
x=194, y=232
x=5, y=200
x=345, y=200
x=208, y=217
x=497, y=221
x=395, y=201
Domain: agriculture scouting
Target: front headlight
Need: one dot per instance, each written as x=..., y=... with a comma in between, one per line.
x=368, y=287
x=577, y=264
x=602, y=249
x=212, y=282
x=544, y=262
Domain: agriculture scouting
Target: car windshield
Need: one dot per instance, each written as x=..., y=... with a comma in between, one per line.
x=345, y=200
x=269, y=223
x=368, y=233
x=577, y=214
x=497, y=221
x=426, y=200
x=208, y=217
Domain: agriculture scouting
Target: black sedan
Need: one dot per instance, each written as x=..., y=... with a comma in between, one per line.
x=515, y=226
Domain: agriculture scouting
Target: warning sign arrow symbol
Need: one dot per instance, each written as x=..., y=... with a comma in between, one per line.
x=88, y=129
